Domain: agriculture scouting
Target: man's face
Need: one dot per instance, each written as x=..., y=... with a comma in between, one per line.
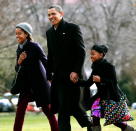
x=54, y=16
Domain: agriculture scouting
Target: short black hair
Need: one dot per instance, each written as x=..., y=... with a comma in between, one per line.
x=57, y=7
x=100, y=48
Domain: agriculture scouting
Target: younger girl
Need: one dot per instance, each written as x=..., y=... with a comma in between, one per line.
x=104, y=76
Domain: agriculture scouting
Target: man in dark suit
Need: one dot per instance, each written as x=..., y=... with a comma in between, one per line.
x=66, y=56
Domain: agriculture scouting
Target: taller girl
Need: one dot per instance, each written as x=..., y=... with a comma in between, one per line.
x=31, y=63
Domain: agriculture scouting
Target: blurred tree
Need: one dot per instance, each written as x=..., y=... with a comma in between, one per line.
x=111, y=22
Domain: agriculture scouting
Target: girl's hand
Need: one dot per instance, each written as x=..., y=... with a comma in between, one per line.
x=22, y=57
x=96, y=78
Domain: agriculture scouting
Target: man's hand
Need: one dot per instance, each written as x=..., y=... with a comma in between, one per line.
x=74, y=77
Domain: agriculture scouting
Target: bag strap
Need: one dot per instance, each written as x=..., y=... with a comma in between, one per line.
x=19, y=68
x=16, y=74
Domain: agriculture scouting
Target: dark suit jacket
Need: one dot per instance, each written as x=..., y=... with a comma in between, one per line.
x=65, y=55
x=32, y=75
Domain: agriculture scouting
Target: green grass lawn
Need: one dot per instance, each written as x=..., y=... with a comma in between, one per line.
x=38, y=122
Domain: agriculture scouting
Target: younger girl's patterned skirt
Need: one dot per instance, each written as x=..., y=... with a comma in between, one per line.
x=113, y=112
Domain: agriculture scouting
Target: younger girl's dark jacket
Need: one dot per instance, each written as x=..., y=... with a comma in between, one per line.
x=108, y=87
x=33, y=81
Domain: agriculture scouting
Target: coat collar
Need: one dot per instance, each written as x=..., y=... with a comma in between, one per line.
x=60, y=26
x=24, y=46
x=98, y=63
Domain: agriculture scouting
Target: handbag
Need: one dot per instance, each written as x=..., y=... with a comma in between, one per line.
x=115, y=112
x=15, y=88
x=93, y=90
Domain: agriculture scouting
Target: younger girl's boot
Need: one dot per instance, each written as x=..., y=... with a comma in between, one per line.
x=89, y=128
x=129, y=128
x=96, y=128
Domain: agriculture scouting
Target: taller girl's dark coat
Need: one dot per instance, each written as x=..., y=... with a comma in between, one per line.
x=32, y=75
x=65, y=55
x=108, y=87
